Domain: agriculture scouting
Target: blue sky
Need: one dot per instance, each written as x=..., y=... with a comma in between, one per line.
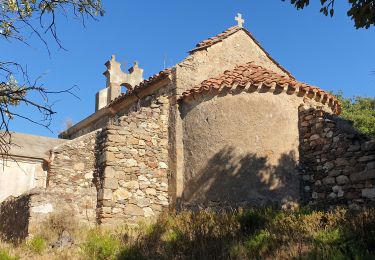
x=326, y=52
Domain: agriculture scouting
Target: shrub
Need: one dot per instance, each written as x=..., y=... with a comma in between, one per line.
x=100, y=245
x=37, y=244
x=60, y=222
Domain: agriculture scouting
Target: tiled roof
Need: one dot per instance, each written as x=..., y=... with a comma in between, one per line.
x=215, y=39
x=225, y=34
x=251, y=75
x=144, y=84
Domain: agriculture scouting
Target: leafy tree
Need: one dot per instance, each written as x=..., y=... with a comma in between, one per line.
x=21, y=20
x=361, y=11
x=360, y=110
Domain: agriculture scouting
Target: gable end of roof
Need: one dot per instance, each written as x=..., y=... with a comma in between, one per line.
x=230, y=31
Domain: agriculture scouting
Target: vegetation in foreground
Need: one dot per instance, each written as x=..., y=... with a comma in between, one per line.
x=252, y=234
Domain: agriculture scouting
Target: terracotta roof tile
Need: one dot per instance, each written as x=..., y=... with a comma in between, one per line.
x=251, y=74
x=225, y=34
x=215, y=39
x=144, y=84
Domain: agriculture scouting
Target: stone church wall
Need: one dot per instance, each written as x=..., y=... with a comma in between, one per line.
x=241, y=150
x=134, y=181
x=338, y=162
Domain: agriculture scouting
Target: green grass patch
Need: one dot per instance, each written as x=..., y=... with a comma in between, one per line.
x=37, y=244
x=100, y=245
x=4, y=255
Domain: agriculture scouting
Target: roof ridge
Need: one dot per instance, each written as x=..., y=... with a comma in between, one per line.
x=228, y=32
x=250, y=75
x=143, y=84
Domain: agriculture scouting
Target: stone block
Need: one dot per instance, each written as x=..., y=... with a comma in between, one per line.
x=341, y=162
x=366, y=158
x=332, y=195
x=151, y=191
x=117, y=210
x=79, y=166
x=140, y=193
x=110, y=183
x=368, y=193
x=142, y=202
x=43, y=208
x=106, y=210
x=105, y=194
x=133, y=210
x=130, y=184
x=328, y=180
x=122, y=194
x=131, y=163
x=89, y=175
x=368, y=146
x=370, y=165
x=148, y=212
x=110, y=156
x=163, y=165
x=143, y=178
x=354, y=148
x=342, y=179
x=360, y=176
x=109, y=172
x=328, y=166
x=334, y=173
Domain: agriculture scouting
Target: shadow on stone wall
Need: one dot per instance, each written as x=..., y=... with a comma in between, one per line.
x=233, y=180
x=338, y=162
x=14, y=218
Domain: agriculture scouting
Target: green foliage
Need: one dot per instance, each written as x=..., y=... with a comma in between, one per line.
x=259, y=244
x=360, y=110
x=4, y=255
x=16, y=12
x=361, y=11
x=328, y=236
x=100, y=245
x=37, y=244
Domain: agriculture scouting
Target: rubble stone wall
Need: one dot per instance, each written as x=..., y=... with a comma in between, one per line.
x=14, y=218
x=134, y=163
x=338, y=163
x=72, y=177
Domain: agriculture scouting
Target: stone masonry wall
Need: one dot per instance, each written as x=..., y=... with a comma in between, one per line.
x=71, y=177
x=134, y=181
x=338, y=163
x=14, y=218
x=71, y=190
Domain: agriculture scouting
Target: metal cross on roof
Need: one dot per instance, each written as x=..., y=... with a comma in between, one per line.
x=239, y=20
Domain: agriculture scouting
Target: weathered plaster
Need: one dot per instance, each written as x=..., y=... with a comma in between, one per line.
x=241, y=149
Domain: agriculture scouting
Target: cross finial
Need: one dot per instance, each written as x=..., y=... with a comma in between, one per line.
x=239, y=20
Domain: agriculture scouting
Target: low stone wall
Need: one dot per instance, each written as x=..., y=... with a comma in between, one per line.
x=71, y=189
x=14, y=218
x=134, y=181
x=72, y=177
x=338, y=163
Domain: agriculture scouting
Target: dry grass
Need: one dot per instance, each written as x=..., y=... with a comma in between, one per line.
x=253, y=234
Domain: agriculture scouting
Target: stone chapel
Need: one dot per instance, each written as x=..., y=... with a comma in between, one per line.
x=226, y=127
